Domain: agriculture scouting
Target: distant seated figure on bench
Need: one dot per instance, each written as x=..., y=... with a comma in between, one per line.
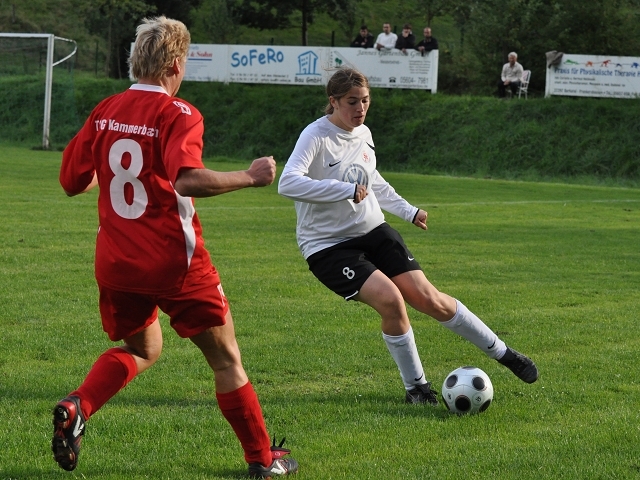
x=511, y=76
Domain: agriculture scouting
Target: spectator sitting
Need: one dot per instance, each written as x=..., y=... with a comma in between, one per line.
x=406, y=41
x=386, y=39
x=364, y=39
x=511, y=76
x=428, y=43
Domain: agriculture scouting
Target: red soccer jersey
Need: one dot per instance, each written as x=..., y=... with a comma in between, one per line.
x=137, y=142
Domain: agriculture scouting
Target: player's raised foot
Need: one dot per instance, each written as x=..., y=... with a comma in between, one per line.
x=521, y=365
x=68, y=429
x=422, y=394
x=279, y=466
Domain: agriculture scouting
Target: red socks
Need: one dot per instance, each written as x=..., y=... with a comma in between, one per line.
x=111, y=372
x=115, y=368
x=242, y=410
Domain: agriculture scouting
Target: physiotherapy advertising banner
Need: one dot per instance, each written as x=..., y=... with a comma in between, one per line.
x=594, y=76
x=309, y=65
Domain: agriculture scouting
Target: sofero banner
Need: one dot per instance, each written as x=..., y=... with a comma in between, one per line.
x=310, y=65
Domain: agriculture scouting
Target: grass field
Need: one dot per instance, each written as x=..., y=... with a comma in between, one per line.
x=554, y=269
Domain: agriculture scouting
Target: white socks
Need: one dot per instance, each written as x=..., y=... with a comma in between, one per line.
x=468, y=326
x=405, y=353
x=465, y=323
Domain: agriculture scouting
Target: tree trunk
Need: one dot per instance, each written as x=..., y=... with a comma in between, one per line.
x=304, y=23
x=109, y=48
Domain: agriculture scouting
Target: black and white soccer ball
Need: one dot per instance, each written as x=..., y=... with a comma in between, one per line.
x=467, y=390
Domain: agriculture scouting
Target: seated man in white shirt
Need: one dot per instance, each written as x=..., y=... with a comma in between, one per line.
x=511, y=76
x=386, y=39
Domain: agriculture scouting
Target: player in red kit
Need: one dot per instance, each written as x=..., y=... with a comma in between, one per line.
x=143, y=148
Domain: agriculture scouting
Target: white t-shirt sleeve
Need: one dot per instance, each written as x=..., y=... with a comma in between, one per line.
x=296, y=185
x=387, y=41
x=390, y=200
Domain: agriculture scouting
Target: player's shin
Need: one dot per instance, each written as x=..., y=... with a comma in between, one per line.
x=466, y=324
x=405, y=353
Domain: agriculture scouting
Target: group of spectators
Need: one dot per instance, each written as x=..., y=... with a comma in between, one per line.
x=512, y=71
x=388, y=40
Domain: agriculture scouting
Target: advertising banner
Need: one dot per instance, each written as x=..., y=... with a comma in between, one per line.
x=283, y=65
x=309, y=65
x=207, y=63
x=594, y=76
x=391, y=68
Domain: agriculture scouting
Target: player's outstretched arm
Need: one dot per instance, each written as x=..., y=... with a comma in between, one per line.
x=197, y=182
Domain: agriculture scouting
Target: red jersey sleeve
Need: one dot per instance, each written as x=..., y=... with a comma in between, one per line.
x=182, y=147
x=77, y=169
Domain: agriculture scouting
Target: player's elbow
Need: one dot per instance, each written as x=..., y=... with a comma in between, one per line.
x=286, y=183
x=70, y=189
x=189, y=182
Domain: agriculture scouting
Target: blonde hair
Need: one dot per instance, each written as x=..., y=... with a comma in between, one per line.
x=341, y=82
x=159, y=41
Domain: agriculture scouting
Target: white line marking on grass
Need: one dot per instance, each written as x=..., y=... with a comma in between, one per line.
x=526, y=202
x=460, y=204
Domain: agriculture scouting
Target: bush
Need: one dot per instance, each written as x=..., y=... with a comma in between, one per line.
x=416, y=131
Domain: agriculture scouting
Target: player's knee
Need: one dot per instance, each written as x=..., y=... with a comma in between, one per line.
x=391, y=305
x=151, y=354
x=435, y=306
x=222, y=356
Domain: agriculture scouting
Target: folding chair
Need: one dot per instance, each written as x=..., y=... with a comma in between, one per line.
x=524, y=84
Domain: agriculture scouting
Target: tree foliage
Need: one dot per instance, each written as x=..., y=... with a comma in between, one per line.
x=487, y=29
x=114, y=21
x=215, y=21
x=278, y=14
x=534, y=27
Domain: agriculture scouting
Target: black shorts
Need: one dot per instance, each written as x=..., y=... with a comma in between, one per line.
x=343, y=268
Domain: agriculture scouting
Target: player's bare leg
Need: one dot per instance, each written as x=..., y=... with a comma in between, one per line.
x=424, y=297
x=146, y=346
x=220, y=349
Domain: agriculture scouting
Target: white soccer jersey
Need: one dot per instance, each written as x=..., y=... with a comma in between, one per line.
x=320, y=176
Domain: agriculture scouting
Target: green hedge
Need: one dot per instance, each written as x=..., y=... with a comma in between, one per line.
x=413, y=130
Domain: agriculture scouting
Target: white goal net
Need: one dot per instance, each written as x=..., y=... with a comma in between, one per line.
x=36, y=85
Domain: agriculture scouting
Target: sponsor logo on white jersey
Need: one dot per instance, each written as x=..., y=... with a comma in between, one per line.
x=356, y=174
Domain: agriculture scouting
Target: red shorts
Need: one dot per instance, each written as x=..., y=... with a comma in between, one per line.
x=200, y=304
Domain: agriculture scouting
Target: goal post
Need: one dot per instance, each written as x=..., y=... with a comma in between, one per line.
x=50, y=39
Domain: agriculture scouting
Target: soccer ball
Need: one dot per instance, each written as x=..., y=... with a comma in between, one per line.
x=467, y=390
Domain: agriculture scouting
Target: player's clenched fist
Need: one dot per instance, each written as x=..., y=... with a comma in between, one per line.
x=263, y=171
x=361, y=193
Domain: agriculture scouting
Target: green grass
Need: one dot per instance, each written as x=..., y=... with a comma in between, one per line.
x=553, y=268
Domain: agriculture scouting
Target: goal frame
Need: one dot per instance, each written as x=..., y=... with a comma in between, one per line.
x=51, y=38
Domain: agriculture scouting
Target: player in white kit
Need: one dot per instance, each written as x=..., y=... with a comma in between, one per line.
x=341, y=231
